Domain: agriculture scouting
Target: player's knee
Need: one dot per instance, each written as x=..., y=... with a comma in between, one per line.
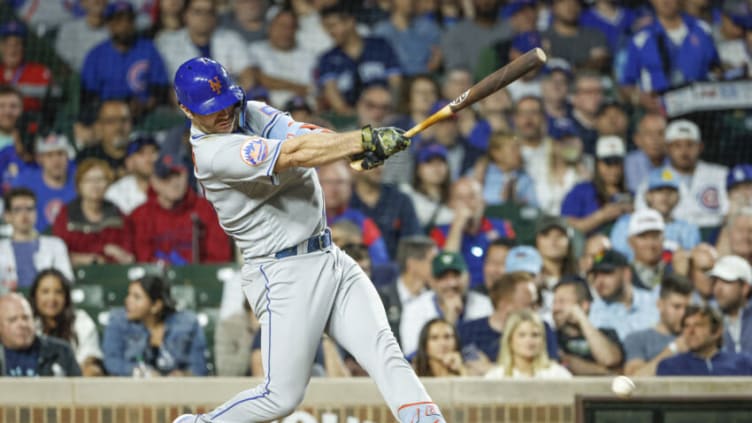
x=287, y=402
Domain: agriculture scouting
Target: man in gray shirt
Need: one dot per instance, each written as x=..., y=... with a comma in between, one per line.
x=463, y=43
x=581, y=47
x=646, y=348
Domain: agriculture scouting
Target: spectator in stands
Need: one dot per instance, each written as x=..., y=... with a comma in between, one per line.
x=675, y=50
x=700, y=262
x=374, y=106
x=50, y=298
x=732, y=277
x=733, y=43
x=521, y=16
x=26, y=252
x=175, y=225
x=584, y=348
x=336, y=184
x=438, y=353
x=553, y=239
x=232, y=342
x=565, y=165
x=130, y=191
x=620, y=305
x=739, y=187
x=201, y=37
x=23, y=353
x=11, y=108
x=529, y=126
x=76, y=37
x=595, y=245
x=644, y=349
x=150, y=338
x=456, y=81
x=113, y=125
x=246, y=18
x=53, y=182
x=342, y=70
x=501, y=173
x=586, y=102
x=418, y=97
x=703, y=200
x=448, y=298
x=612, y=119
x=735, y=237
x=34, y=80
x=125, y=67
x=460, y=154
x=414, y=257
x=492, y=116
x=415, y=38
x=481, y=338
x=470, y=232
x=555, y=87
x=93, y=228
x=650, y=264
x=45, y=15
x=464, y=41
x=169, y=17
x=390, y=209
x=581, y=46
x=593, y=206
x=312, y=35
x=429, y=190
x=523, y=352
x=702, y=329
x=610, y=19
x=494, y=262
x=524, y=258
x=650, y=153
x=662, y=196
x=280, y=64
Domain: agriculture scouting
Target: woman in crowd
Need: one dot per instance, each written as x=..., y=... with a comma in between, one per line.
x=565, y=167
x=501, y=173
x=438, y=352
x=523, y=351
x=594, y=206
x=553, y=239
x=150, y=338
x=420, y=94
x=55, y=315
x=430, y=188
x=92, y=227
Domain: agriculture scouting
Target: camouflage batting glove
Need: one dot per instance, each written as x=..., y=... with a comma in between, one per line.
x=384, y=142
x=370, y=161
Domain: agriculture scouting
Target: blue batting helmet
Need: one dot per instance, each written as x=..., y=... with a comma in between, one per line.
x=204, y=87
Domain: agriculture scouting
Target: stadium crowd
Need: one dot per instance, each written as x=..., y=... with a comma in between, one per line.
x=563, y=226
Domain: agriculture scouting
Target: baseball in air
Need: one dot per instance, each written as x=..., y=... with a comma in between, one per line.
x=623, y=386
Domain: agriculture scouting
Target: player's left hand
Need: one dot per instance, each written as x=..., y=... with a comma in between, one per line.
x=384, y=142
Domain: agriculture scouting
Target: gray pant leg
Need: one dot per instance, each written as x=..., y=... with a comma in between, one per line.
x=358, y=323
x=292, y=298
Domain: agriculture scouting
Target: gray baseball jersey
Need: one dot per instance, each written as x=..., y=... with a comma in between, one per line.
x=298, y=297
x=263, y=211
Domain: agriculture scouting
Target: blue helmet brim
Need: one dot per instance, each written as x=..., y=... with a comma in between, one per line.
x=232, y=96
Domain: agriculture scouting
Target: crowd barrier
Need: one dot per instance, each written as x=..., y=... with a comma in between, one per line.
x=463, y=400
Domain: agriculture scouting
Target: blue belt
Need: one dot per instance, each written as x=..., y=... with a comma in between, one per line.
x=310, y=245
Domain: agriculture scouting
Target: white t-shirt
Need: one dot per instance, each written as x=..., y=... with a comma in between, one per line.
x=296, y=66
x=553, y=371
x=226, y=47
x=125, y=194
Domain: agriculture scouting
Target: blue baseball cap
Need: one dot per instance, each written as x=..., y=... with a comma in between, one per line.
x=562, y=128
x=138, y=142
x=739, y=12
x=557, y=64
x=13, y=28
x=526, y=41
x=118, y=7
x=515, y=6
x=523, y=258
x=738, y=174
x=431, y=151
x=662, y=178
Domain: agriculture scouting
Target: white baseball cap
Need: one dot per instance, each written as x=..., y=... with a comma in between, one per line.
x=51, y=142
x=731, y=269
x=682, y=129
x=645, y=220
x=610, y=146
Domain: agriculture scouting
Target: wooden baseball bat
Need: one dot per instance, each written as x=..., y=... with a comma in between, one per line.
x=504, y=76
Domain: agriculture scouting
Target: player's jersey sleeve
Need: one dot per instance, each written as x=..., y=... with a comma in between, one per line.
x=240, y=158
x=269, y=122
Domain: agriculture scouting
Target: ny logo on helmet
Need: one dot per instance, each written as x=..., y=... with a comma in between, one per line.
x=216, y=85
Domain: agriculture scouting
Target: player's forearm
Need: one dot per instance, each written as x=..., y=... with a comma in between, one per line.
x=313, y=150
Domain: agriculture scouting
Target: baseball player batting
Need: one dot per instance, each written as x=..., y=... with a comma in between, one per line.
x=255, y=164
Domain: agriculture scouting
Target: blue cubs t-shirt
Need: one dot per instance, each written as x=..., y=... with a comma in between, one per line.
x=49, y=200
